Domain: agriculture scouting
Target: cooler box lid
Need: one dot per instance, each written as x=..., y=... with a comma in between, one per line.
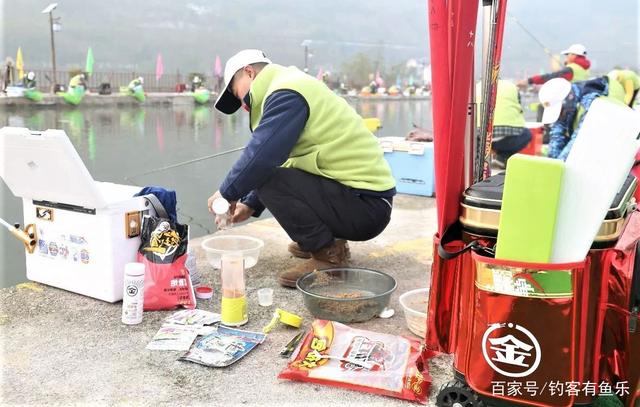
x=45, y=166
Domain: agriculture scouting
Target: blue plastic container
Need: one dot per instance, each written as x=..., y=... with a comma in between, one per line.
x=413, y=172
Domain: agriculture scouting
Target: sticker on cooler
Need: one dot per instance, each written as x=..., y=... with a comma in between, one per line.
x=61, y=247
x=416, y=148
x=386, y=146
x=511, y=349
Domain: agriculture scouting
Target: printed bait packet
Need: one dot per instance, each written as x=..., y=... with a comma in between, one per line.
x=338, y=355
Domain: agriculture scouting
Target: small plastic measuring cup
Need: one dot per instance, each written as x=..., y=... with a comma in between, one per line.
x=265, y=297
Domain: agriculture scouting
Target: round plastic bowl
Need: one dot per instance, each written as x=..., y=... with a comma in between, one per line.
x=346, y=294
x=414, y=304
x=248, y=247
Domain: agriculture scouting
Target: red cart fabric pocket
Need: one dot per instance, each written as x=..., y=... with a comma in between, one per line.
x=443, y=298
x=527, y=335
x=451, y=289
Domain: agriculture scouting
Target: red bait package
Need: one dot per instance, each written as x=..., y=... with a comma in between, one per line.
x=335, y=354
x=163, y=250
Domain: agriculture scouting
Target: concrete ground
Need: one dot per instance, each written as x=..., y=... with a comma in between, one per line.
x=60, y=348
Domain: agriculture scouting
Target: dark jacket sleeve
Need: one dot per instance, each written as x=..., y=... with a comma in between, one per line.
x=284, y=117
x=566, y=73
x=253, y=202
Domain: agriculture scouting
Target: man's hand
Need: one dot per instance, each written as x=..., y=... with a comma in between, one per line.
x=242, y=212
x=219, y=219
x=522, y=84
x=212, y=198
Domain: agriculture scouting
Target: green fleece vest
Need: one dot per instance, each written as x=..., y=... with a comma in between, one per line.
x=335, y=143
x=628, y=74
x=75, y=81
x=508, y=111
x=616, y=90
x=623, y=75
x=579, y=73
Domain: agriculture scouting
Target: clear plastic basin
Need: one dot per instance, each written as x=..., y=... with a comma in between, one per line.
x=248, y=247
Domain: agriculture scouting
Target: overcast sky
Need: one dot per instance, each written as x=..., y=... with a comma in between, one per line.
x=128, y=34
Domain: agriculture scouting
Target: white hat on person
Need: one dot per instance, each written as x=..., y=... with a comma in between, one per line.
x=551, y=96
x=227, y=102
x=577, y=49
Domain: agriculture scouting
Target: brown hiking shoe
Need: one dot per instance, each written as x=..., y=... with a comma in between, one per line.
x=334, y=255
x=296, y=251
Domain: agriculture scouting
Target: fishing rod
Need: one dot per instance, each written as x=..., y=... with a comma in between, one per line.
x=489, y=32
x=533, y=37
x=26, y=236
x=195, y=160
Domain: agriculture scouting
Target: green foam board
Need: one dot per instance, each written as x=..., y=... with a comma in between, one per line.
x=530, y=203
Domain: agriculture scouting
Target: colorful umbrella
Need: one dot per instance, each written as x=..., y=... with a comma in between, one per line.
x=88, y=68
x=379, y=80
x=159, y=67
x=19, y=64
x=217, y=70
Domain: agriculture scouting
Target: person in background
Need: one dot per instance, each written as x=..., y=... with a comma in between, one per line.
x=630, y=83
x=373, y=85
x=576, y=68
x=29, y=80
x=326, y=79
x=78, y=82
x=8, y=73
x=565, y=105
x=136, y=84
x=510, y=134
x=310, y=160
x=196, y=83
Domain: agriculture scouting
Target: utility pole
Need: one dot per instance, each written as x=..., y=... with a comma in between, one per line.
x=49, y=9
x=306, y=44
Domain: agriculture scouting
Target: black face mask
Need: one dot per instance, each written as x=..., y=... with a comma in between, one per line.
x=247, y=101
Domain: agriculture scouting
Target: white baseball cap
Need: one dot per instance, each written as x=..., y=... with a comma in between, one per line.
x=551, y=96
x=577, y=49
x=227, y=102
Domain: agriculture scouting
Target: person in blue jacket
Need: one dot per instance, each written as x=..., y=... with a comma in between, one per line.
x=310, y=161
x=565, y=105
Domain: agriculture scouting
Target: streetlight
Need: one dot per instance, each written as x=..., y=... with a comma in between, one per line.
x=307, y=55
x=54, y=25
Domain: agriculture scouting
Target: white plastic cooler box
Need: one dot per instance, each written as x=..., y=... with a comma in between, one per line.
x=86, y=230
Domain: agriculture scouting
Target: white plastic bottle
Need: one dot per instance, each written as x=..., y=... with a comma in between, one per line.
x=133, y=294
x=220, y=207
